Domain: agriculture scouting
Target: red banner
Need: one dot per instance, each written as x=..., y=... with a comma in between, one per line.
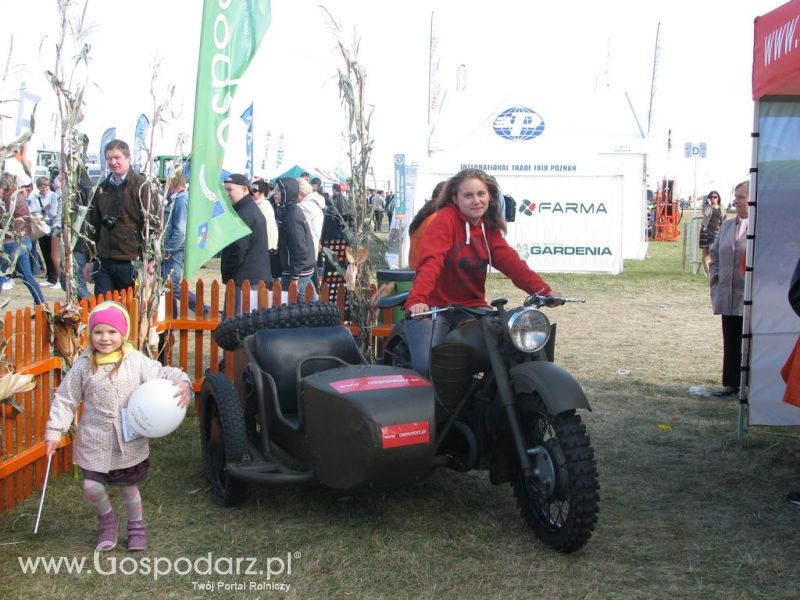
x=378, y=382
x=776, y=52
x=405, y=434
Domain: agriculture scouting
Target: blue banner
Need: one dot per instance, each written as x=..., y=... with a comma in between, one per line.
x=400, y=185
x=108, y=135
x=24, y=110
x=247, y=117
x=138, y=141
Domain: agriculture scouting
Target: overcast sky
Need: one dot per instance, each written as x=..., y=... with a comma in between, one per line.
x=542, y=51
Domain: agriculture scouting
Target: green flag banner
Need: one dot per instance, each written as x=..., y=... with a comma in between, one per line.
x=230, y=35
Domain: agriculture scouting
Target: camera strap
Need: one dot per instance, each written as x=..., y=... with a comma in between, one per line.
x=119, y=198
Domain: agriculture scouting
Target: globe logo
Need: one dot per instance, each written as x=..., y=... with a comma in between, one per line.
x=518, y=123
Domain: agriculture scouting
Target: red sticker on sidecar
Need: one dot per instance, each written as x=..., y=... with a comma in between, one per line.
x=378, y=382
x=405, y=434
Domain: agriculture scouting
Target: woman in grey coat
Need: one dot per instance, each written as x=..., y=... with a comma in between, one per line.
x=726, y=276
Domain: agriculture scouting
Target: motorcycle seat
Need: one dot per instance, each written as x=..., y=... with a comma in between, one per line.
x=279, y=351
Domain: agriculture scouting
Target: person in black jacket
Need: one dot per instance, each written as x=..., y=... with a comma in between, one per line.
x=246, y=259
x=298, y=252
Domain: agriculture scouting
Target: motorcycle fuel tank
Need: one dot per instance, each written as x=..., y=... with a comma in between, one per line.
x=369, y=425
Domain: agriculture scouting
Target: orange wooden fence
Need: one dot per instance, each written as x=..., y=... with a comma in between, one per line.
x=22, y=456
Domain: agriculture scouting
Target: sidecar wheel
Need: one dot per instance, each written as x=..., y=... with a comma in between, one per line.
x=396, y=352
x=222, y=438
x=561, y=504
x=230, y=332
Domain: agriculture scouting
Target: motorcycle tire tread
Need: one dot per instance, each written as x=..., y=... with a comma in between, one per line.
x=230, y=333
x=583, y=493
x=233, y=491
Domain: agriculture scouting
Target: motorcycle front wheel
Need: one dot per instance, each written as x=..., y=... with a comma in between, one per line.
x=560, y=501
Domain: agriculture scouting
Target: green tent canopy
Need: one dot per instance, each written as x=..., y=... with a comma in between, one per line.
x=294, y=173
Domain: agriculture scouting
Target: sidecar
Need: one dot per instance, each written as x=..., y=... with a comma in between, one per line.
x=305, y=407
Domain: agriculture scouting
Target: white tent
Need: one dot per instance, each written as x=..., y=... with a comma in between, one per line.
x=575, y=166
x=770, y=325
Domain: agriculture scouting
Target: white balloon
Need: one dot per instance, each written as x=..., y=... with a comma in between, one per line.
x=153, y=409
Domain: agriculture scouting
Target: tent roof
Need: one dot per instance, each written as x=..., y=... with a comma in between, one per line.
x=776, y=56
x=294, y=173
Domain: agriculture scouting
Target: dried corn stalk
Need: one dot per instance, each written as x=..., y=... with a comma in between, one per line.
x=65, y=330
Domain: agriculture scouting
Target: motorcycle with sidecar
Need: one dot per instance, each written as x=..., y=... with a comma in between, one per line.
x=306, y=408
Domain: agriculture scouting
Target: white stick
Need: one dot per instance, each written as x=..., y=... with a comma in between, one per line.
x=44, y=490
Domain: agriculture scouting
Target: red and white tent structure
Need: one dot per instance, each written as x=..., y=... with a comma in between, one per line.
x=773, y=249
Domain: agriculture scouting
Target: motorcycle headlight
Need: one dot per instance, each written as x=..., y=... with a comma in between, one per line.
x=529, y=329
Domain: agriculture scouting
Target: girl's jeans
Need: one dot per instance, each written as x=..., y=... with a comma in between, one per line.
x=23, y=267
x=424, y=334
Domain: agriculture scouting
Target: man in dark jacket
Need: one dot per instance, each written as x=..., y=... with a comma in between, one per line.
x=117, y=220
x=246, y=259
x=298, y=253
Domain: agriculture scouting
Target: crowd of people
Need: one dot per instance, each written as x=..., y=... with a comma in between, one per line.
x=286, y=218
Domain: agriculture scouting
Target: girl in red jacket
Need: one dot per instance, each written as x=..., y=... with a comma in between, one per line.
x=465, y=239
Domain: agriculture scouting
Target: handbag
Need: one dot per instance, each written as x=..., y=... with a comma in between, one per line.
x=37, y=227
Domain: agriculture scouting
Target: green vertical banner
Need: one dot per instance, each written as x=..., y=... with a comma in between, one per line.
x=230, y=35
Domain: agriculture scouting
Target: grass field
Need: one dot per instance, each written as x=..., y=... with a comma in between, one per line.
x=684, y=513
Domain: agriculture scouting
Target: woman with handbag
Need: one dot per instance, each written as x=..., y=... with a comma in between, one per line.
x=17, y=244
x=713, y=216
x=46, y=204
x=726, y=278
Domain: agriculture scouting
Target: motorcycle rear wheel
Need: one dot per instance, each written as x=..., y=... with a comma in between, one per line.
x=562, y=512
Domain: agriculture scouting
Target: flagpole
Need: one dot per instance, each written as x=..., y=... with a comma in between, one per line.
x=430, y=68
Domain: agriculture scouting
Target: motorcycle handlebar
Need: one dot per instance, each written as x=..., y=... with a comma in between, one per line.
x=550, y=301
x=532, y=300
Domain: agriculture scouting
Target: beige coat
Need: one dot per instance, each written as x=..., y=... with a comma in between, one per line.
x=725, y=272
x=99, y=445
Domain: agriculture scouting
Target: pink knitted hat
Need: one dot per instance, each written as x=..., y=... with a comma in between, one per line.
x=110, y=313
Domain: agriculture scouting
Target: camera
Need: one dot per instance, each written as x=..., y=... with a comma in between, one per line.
x=109, y=221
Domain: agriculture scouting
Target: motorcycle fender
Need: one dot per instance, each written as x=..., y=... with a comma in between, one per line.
x=558, y=389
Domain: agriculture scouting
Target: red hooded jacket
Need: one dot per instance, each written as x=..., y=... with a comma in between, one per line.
x=453, y=256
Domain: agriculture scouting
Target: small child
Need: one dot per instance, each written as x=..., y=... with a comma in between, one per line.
x=104, y=377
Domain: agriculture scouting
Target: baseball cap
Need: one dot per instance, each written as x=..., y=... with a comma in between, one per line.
x=237, y=179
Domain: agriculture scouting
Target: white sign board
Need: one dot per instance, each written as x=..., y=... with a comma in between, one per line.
x=567, y=225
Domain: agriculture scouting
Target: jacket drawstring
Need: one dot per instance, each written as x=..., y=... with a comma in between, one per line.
x=485, y=241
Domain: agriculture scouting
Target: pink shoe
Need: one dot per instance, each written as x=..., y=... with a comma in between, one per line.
x=107, y=538
x=137, y=535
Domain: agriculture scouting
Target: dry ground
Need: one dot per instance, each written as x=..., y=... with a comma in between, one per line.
x=685, y=512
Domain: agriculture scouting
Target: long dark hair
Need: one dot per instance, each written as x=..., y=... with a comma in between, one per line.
x=492, y=217
x=427, y=209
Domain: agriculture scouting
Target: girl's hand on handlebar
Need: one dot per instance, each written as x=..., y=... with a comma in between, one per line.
x=413, y=311
x=555, y=299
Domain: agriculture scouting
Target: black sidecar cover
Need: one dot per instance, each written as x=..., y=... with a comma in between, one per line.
x=369, y=425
